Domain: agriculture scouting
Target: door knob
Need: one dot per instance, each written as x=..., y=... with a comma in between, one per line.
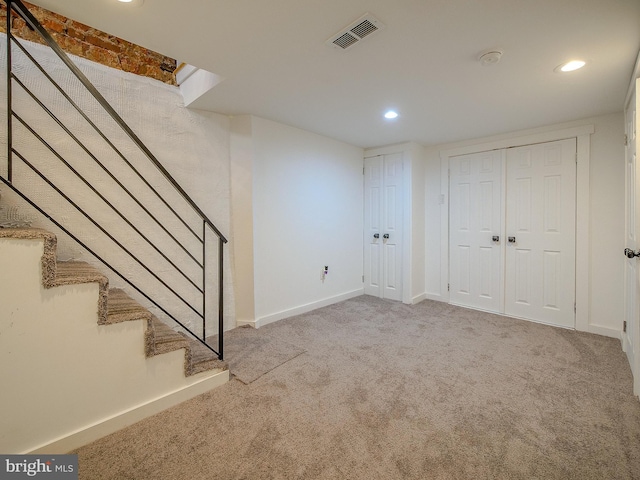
x=512, y=239
x=385, y=236
x=376, y=235
x=496, y=238
x=630, y=253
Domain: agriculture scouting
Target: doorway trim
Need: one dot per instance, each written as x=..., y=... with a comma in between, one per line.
x=582, y=135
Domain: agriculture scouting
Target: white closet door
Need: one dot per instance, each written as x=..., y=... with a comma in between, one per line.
x=383, y=226
x=475, y=242
x=540, y=229
x=631, y=338
x=373, y=192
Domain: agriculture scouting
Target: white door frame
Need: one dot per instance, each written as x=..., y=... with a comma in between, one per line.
x=582, y=135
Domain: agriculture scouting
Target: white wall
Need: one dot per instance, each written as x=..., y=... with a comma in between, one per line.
x=607, y=222
x=192, y=145
x=606, y=217
x=307, y=213
x=418, y=234
x=242, y=153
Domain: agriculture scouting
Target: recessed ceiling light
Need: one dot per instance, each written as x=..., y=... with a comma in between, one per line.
x=391, y=115
x=570, y=66
x=132, y=3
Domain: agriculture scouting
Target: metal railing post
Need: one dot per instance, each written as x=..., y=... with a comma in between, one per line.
x=204, y=281
x=9, y=101
x=220, y=299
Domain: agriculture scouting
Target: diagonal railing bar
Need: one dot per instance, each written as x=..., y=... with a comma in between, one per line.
x=18, y=7
x=105, y=200
x=103, y=230
x=106, y=264
x=104, y=137
x=33, y=23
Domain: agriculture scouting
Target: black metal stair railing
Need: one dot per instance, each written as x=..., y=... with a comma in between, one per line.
x=199, y=235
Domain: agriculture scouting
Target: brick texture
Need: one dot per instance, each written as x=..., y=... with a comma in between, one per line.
x=92, y=44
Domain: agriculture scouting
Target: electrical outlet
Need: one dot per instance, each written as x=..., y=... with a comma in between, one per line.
x=324, y=273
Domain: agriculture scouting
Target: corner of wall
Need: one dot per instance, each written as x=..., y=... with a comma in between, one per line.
x=241, y=159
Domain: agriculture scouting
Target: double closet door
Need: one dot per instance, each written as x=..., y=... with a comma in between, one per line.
x=512, y=231
x=383, y=233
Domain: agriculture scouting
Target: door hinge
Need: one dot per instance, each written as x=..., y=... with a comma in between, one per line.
x=448, y=287
x=363, y=170
x=624, y=327
x=626, y=140
x=574, y=307
x=362, y=278
x=576, y=157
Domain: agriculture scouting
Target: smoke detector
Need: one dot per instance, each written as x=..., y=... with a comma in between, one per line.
x=490, y=57
x=354, y=33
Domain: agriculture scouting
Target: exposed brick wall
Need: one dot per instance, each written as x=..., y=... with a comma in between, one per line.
x=92, y=44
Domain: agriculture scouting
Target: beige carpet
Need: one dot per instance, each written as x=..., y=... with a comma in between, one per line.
x=250, y=354
x=390, y=391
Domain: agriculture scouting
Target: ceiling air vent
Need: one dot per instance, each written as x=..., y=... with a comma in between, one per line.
x=364, y=26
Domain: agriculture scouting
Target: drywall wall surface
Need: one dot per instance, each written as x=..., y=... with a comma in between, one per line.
x=434, y=199
x=607, y=208
x=307, y=214
x=242, y=154
x=193, y=146
x=606, y=216
x=418, y=234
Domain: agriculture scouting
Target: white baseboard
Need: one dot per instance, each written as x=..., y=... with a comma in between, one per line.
x=274, y=317
x=605, y=331
x=419, y=298
x=434, y=296
x=119, y=421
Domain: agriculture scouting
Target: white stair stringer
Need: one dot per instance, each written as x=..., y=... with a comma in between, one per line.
x=69, y=374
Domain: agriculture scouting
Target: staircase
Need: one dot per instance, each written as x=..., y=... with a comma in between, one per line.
x=79, y=359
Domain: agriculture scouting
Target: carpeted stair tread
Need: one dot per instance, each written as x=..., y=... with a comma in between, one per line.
x=121, y=308
x=199, y=359
x=68, y=273
x=160, y=338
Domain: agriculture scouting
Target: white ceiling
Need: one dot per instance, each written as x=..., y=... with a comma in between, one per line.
x=276, y=64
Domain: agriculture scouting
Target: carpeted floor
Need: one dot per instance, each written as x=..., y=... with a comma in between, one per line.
x=383, y=390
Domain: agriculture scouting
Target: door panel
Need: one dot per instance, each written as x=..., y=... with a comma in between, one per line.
x=540, y=218
x=392, y=220
x=373, y=226
x=631, y=338
x=475, y=218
